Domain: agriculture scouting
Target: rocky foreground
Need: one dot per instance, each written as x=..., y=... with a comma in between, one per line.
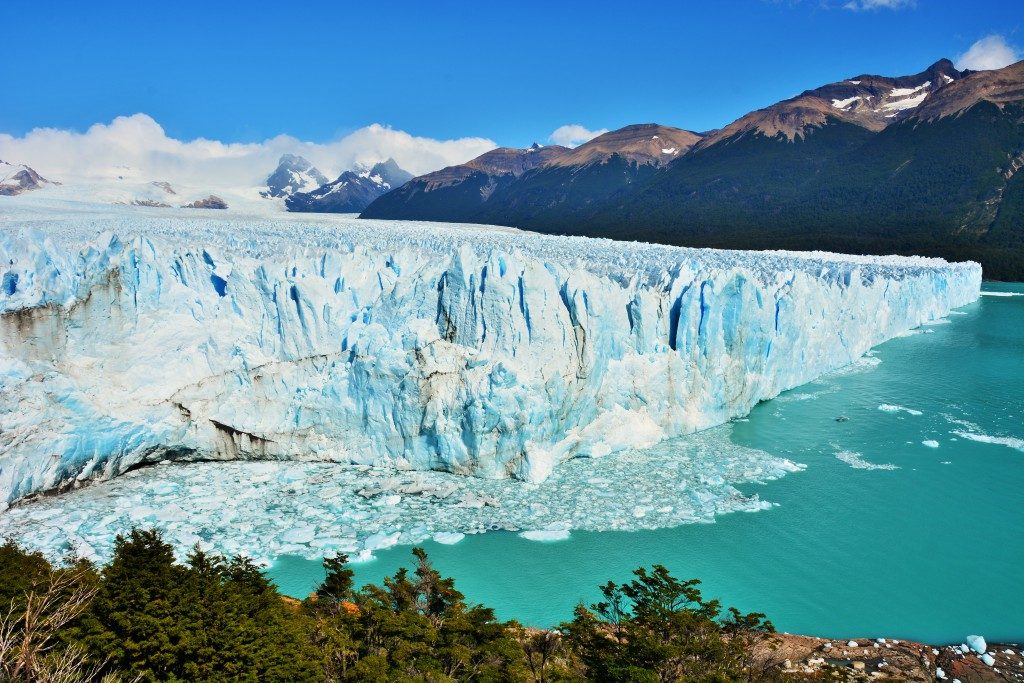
x=901, y=660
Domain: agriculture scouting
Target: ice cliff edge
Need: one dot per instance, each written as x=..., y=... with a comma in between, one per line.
x=482, y=352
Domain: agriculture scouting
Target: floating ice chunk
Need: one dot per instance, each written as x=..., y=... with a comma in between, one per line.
x=890, y=408
x=988, y=659
x=852, y=643
x=299, y=535
x=448, y=537
x=379, y=541
x=172, y=513
x=939, y=673
x=362, y=556
x=545, y=535
x=977, y=643
x=1008, y=441
x=1002, y=294
x=857, y=462
x=930, y=443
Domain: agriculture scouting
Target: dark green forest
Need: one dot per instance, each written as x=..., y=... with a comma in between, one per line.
x=145, y=617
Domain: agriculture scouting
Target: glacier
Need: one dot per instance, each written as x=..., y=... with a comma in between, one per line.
x=132, y=336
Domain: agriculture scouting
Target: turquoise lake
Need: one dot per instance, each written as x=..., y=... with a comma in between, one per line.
x=931, y=548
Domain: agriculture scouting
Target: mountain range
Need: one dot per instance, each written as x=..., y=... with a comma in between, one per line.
x=927, y=164
x=352, y=191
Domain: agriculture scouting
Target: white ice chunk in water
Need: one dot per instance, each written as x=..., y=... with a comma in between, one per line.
x=857, y=462
x=890, y=408
x=546, y=535
x=1008, y=441
x=448, y=537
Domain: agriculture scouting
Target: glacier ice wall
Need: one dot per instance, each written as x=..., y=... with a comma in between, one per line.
x=131, y=336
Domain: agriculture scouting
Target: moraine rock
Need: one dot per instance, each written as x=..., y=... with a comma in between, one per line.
x=211, y=202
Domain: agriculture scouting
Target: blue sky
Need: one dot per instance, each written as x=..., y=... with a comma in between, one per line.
x=508, y=71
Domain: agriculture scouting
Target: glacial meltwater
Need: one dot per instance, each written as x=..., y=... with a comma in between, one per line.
x=884, y=499
x=907, y=523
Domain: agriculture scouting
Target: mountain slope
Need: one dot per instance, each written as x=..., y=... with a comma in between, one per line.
x=352, y=191
x=942, y=181
x=293, y=174
x=868, y=101
x=929, y=163
x=15, y=179
x=593, y=173
x=457, y=193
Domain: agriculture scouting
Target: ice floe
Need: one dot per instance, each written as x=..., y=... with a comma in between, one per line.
x=857, y=462
x=891, y=408
x=1008, y=441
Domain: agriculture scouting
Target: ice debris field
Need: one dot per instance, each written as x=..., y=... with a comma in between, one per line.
x=319, y=509
x=134, y=336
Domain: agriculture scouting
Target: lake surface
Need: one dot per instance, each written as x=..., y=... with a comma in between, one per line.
x=881, y=535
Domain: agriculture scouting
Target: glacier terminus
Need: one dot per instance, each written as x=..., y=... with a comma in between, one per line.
x=131, y=336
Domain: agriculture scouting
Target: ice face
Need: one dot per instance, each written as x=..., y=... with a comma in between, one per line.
x=132, y=336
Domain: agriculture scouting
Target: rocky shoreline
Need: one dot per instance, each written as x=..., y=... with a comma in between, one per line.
x=902, y=660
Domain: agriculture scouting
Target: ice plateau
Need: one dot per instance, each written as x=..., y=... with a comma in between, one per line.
x=131, y=336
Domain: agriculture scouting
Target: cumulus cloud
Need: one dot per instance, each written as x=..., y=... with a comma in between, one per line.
x=137, y=147
x=574, y=134
x=864, y=5
x=991, y=52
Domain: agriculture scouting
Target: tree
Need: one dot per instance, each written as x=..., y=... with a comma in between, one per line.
x=658, y=628
x=417, y=625
x=208, y=620
x=337, y=585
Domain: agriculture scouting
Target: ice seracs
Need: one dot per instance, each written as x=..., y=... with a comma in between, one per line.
x=129, y=338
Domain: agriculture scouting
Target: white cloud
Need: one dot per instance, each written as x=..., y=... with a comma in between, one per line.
x=991, y=52
x=864, y=5
x=137, y=148
x=574, y=134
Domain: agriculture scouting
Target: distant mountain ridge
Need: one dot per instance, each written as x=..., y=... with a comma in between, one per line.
x=871, y=102
x=293, y=174
x=15, y=179
x=456, y=192
x=927, y=163
x=352, y=191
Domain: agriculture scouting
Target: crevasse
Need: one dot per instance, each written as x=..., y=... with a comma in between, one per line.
x=479, y=351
